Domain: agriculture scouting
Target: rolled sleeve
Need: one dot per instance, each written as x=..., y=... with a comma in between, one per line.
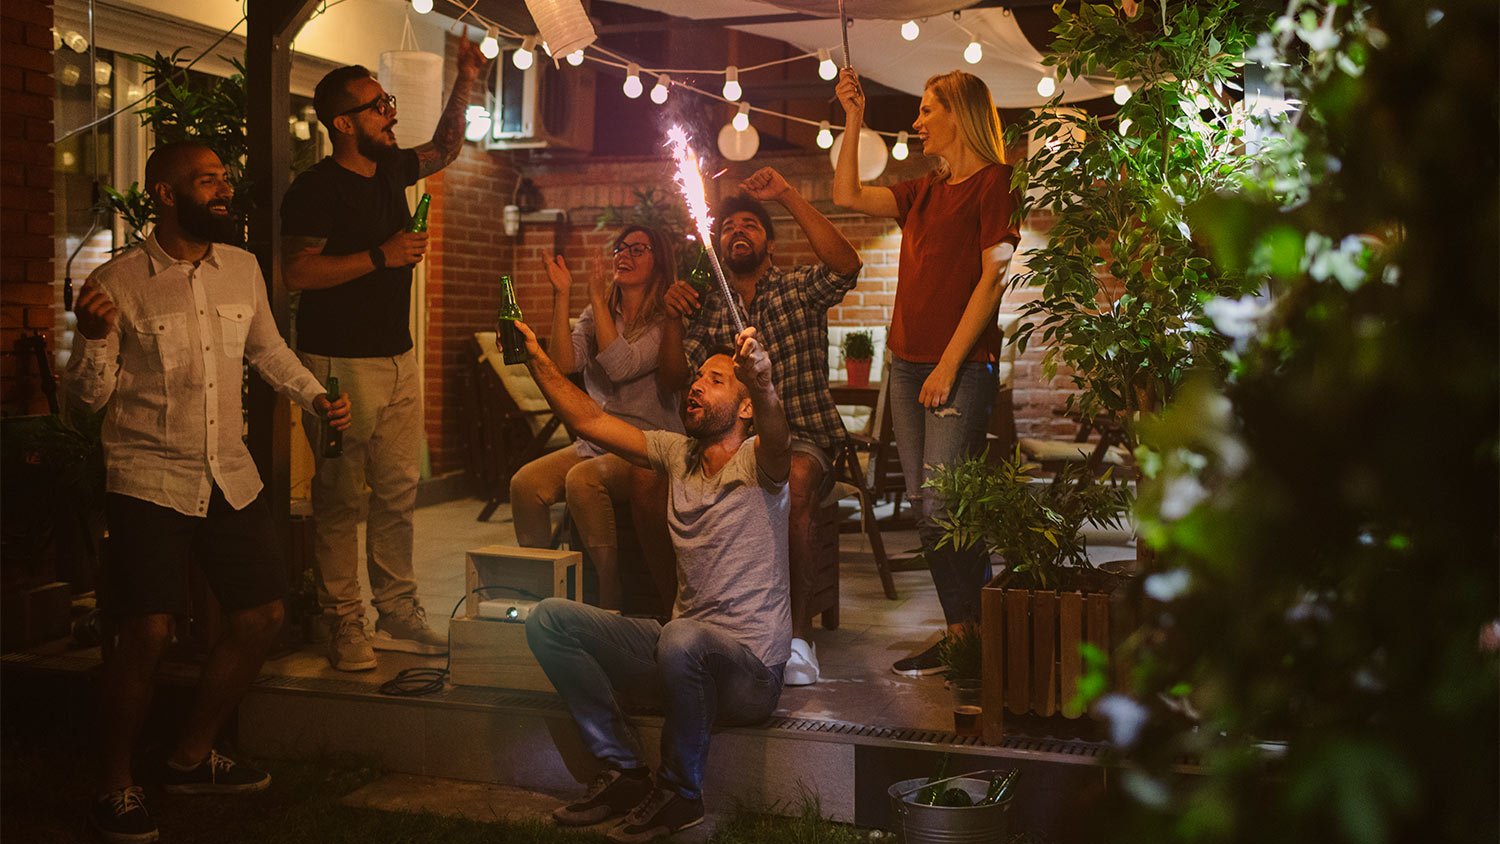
x=826, y=288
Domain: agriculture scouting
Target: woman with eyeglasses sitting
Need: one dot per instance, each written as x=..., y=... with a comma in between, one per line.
x=615, y=344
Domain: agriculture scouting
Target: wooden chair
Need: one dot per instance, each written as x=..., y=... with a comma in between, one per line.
x=509, y=422
x=1099, y=454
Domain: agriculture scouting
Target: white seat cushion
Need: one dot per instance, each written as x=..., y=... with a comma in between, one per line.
x=522, y=388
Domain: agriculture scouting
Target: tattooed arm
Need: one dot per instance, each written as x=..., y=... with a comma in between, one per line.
x=449, y=137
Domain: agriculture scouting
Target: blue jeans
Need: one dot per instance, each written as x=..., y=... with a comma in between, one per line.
x=698, y=674
x=928, y=438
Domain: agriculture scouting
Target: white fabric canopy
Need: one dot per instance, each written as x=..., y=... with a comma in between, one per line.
x=1011, y=66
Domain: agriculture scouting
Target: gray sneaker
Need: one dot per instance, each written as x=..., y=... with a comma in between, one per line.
x=405, y=629
x=349, y=646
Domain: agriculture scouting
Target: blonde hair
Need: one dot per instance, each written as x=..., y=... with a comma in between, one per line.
x=663, y=272
x=969, y=99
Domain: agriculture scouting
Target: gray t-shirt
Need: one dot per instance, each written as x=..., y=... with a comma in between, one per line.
x=729, y=531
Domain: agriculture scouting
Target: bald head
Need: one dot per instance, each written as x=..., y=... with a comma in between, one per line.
x=190, y=190
x=175, y=164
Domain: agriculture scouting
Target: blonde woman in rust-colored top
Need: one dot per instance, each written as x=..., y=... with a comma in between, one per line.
x=957, y=238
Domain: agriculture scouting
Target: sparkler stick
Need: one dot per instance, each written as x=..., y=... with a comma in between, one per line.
x=690, y=181
x=844, y=25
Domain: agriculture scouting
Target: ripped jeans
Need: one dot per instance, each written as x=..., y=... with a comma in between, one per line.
x=930, y=438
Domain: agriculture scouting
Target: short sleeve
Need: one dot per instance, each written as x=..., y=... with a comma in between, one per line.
x=997, y=208
x=906, y=196
x=304, y=209
x=664, y=449
x=405, y=167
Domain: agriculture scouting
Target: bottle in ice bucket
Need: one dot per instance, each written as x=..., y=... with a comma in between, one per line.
x=333, y=438
x=930, y=793
x=1000, y=787
x=419, y=219
x=512, y=344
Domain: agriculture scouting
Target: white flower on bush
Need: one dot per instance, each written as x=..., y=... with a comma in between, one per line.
x=1237, y=319
x=1168, y=585
x=1125, y=716
x=1180, y=495
x=1344, y=264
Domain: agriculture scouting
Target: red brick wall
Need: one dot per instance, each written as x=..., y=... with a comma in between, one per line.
x=26, y=291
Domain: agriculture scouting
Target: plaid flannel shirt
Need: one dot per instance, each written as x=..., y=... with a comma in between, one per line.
x=790, y=311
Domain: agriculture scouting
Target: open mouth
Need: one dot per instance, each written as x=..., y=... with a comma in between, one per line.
x=692, y=404
x=218, y=209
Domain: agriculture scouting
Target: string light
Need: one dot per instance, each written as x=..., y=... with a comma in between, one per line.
x=741, y=120
x=1122, y=94
x=825, y=135
x=910, y=30
x=421, y=7
x=973, y=53
x=900, y=150
x=633, y=87
x=526, y=56
x=575, y=58
x=1047, y=85
x=732, y=89
x=490, y=46
x=659, y=93
x=826, y=68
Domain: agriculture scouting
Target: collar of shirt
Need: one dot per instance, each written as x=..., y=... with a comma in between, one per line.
x=161, y=261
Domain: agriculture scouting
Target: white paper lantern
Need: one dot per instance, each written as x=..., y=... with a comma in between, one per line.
x=415, y=79
x=563, y=24
x=737, y=145
x=872, y=154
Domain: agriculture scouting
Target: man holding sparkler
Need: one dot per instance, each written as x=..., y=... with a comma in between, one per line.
x=792, y=307
x=719, y=661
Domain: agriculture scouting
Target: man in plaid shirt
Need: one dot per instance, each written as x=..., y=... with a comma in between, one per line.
x=790, y=309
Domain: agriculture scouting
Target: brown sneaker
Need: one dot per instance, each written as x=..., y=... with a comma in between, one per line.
x=613, y=793
x=405, y=629
x=349, y=646
x=663, y=812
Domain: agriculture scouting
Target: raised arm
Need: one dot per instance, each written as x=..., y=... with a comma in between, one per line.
x=773, y=446
x=561, y=344
x=828, y=243
x=448, y=138
x=847, y=191
x=978, y=315
x=579, y=412
x=672, y=372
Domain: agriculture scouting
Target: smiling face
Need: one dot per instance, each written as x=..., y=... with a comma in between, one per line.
x=937, y=126
x=197, y=191
x=716, y=401
x=634, y=260
x=372, y=128
x=743, y=242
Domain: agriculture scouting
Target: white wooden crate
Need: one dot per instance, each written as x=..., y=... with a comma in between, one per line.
x=490, y=652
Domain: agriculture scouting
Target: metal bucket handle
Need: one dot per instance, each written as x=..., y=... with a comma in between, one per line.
x=901, y=798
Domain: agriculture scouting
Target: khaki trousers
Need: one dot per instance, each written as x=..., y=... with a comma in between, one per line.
x=591, y=485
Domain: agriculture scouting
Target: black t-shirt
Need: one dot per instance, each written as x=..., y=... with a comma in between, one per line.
x=364, y=317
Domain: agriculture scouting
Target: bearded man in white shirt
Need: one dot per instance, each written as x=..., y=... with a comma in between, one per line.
x=162, y=333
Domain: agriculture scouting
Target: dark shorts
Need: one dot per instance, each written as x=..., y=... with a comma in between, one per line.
x=151, y=547
x=824, y=460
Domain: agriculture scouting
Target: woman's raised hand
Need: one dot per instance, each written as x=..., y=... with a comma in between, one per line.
x=559, y=274
x=851, y=95
x=598, y=282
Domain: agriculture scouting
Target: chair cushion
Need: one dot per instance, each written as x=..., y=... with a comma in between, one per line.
x=522, y=388
x=1058, y=451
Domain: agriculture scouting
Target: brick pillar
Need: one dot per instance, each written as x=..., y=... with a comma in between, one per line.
x=26, y=291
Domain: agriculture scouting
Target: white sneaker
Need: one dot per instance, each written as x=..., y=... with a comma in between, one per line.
x=802, y=667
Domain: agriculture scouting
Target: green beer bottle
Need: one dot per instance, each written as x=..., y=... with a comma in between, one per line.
x=512, y=344
x=419, y=219
x=699, y=276
x=333, y=438
x=1000, y=786
x=930, y=793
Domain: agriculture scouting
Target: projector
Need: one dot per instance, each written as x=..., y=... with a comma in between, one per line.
x=514, y=612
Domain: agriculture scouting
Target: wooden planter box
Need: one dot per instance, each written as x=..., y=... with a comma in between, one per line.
x=1032, y=663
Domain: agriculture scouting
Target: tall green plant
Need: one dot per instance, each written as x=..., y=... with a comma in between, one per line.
x=1325, y=639
x=1122, y=282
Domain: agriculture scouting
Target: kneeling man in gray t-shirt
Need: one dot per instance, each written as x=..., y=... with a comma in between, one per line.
x=720, y=659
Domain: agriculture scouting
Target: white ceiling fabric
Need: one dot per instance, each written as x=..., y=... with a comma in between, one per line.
x=1011, y=66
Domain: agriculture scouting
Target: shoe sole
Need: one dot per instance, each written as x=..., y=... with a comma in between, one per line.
x=346, y=665
x=568, y=819
x=918, y=672
x=800, y=681
x=387, y=642
x=652, y=834
x=200, y=788
x=126, y=837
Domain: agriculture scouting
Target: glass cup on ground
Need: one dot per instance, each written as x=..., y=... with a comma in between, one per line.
x=967, y=706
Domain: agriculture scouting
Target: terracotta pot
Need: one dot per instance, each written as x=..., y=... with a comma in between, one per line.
x=859, y=372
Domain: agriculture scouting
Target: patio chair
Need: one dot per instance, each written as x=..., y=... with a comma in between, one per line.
x=509, y=422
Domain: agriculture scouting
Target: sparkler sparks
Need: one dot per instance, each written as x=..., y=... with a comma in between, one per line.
x=690, y=182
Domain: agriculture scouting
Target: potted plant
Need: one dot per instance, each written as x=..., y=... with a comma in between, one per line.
x=1050, y=599
x=859, y=351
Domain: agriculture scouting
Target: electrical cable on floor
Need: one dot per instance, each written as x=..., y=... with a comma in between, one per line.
x=417, y=682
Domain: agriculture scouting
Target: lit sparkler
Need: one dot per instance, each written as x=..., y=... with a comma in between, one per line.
x=690, y=181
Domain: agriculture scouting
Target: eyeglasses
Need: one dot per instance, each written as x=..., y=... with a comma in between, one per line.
x=634, y=250
x=385, y=104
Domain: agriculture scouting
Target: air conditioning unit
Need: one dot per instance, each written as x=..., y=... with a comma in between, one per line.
x=542, y=107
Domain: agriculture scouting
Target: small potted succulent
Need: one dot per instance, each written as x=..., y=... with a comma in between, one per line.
x=859, y=351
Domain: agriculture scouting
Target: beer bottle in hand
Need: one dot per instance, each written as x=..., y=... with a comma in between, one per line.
x=512, y=344
x=419, y=219
x=333, y=438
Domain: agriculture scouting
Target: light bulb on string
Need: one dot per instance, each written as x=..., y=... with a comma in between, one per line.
x=900, y=150
x=633, y=87
x=421, y=7
x=1047, y=85
x=575, y=58
x=1122, y=94
x=732, y=89
x=547, y=48
x=526, y=55
x=825, y=135
x=490, y=46
x=741, y=120
x=826, y=68
x=663, y=85
x=973, y=53
x=910, y=30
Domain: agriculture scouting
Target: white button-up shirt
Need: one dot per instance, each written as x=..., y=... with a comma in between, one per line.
x=172, y=375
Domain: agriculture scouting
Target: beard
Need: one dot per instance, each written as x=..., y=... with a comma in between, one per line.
x=202, y=224
x=712, y=423
x=746, y=262
x=373, y=147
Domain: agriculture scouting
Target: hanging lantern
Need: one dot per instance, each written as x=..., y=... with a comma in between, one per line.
x=563, y=24
x=872, y=154
x=738, y=144
x=415, y=79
